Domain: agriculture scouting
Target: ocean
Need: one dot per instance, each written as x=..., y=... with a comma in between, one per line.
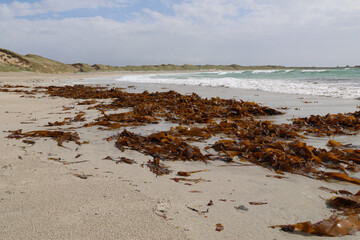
x=339, y=83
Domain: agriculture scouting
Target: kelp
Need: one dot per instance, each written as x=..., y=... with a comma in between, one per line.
x=261, y=142
x=124, y=119
x=341, y=177
x=59, y=136
x=333, y=226
x=330, y=124
x=346, y=201
x=295, y=157
x=161, y=144
x=78, y=118
x=125, y=160
x=171, y=106
x=187, y=174
x=157, y=167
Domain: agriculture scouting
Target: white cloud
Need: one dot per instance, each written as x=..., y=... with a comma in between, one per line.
x=17, y=9
x=247, y=32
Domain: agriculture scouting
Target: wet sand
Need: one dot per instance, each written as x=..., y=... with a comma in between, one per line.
x=40, y=198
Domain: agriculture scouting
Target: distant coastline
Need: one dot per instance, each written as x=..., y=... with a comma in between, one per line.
x=14, y=62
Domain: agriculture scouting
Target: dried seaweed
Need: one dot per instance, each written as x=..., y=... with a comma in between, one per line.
x=82, y=176
x=341, y=177
x=346, y=201
x=157, y=167
x=260, y=142
x=219, y=227
x=197, y=180
x=59, y=136
x=161, y=144
x=333, y=226
x=330, y=124
x=187, y=174
x=125, y=160
x=258, y=203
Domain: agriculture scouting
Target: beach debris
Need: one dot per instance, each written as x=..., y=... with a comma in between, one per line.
x=219, y=227
x=195, y=191
x=200, y=212
x=276, y=176
x=65, y=162
x=258, y=203
x=161, y=208
x=157, y=167
x=332, y=143
x=328, y=189
x=341, y=177
x=28, y=141
x=121, y=160
x=346, y=202
x=333, y=226
x=197, y=180
x=187, y=174
x=59, y=136
x=241, y=207
x=87, y=102
x=161, y=144
x=278, y=147
x=330, y=124
x=82, y=175
x=263, y=143
x=125, y=160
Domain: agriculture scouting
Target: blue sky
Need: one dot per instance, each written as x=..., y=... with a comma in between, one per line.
x=136, y=32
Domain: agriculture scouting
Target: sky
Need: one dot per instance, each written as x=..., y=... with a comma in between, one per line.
x=137, y=32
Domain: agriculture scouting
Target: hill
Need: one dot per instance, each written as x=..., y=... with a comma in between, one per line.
x=14, y=62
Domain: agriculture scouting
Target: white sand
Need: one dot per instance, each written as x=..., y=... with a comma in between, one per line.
x=42, y=199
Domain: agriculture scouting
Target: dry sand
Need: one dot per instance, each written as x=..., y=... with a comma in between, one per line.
x=42, y=199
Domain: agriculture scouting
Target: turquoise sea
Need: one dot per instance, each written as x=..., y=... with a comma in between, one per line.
x=341, y=83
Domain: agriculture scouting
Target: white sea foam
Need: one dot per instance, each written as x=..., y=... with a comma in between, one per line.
x=264, y=71
x=314, y=70
x=290, y=86
x=229, y=72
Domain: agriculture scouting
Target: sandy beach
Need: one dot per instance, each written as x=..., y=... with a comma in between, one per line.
x=71, y=192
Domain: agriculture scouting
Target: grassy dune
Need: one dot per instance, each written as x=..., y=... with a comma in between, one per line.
x=14, y=62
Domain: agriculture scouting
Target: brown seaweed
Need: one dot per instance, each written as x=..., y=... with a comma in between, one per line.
x=258, y=203
x=59, y=136
x=219, y=227
x=330, y=124
x=187, y=174
x=333, y=226
x=346, y=201
x=157, y=167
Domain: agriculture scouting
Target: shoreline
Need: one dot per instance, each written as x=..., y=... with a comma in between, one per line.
x=41, y=198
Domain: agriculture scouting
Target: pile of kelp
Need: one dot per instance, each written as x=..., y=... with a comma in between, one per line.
x=240, y=137
x=273, y=146
x=330, y=124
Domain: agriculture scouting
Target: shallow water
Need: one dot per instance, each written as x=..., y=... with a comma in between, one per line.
x=341, y=83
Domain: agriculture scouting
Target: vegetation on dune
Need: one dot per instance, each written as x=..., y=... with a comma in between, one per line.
x=14, y=62
x=45, y=65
